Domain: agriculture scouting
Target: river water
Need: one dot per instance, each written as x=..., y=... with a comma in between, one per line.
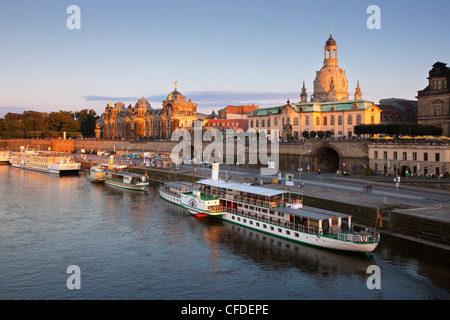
x=134, y=245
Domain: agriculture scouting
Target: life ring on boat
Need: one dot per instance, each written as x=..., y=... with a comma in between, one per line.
x=364, y=239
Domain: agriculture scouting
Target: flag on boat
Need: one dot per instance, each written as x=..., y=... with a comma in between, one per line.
x=379, y=217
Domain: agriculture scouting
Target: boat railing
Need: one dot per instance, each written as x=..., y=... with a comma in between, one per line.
x=354, y=237
x=276, y=221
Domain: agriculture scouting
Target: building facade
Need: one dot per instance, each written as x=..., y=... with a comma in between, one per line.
x=236, y=112
x=417, y=160
x=142, y=121
x=434, y=100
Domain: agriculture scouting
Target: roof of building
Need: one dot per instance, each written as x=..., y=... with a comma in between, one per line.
x=313, y=106
x=175, y=96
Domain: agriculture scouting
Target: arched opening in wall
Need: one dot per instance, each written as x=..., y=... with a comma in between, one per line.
x=326, y=159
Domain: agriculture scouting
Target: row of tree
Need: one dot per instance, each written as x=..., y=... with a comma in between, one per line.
x=33, y=124
x=397, y=129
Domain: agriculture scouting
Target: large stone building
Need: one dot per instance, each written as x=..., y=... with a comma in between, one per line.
x=142, y=121
x=394, y=110
x=329, y=109
x=417, y=160
x=434, y=100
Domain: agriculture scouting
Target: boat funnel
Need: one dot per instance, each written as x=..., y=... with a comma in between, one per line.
x=215, y=172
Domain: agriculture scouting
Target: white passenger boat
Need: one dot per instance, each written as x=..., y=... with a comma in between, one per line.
x=96, y=174
x=171, y=191
x=45, y=161
x=117, y=176
x=5, y=156
x=275, y=212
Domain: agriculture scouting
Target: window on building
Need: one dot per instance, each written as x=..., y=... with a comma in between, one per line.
x=340, y=120
x=263, y=123
x=295, y=121
x=317, y=121
x=385, y=154
x=375, y=154
x=438, y=110
x=405, y=155
x=395, y=155
x=325, y=121
x=358, y=119
x=415, y=156
x=350, y=119
x=437, y=157
x=307, y=120
x=332, y=120
x=251, y=123
x=257, y=123
x=425, y=156
x=275, y=121
x=268, y=122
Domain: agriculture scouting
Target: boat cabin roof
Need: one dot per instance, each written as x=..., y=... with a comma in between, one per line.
x=241, y=187
x=178, y=184
x=311, y=213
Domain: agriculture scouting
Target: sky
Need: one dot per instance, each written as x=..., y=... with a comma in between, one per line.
x=219, y=52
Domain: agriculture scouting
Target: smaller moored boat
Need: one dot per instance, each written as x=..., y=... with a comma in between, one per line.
x=117, y=176
x=5, y=156
x=96, y=174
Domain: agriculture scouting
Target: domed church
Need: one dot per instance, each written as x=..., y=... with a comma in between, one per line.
x=331, y=83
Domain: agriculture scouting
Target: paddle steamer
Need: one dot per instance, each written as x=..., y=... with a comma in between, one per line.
x=272, y=211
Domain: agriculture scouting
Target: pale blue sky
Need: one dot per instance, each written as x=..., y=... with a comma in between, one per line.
x=220, y=52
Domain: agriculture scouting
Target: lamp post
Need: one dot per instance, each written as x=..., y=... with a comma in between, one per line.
x=300, y=169
x=157, y=150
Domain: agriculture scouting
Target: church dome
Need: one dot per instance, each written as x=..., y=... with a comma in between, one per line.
x=175, y=96
x=330, y=41
x=143, y=104
x=328, y=76
x=331, y=82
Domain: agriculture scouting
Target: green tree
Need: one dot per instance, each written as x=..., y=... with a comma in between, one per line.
x=87, y=119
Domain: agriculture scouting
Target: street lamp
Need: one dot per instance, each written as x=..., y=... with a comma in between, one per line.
x=157, y=150
x=300, y=169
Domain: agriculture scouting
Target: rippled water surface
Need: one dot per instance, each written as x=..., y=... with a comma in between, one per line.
x=133, y=245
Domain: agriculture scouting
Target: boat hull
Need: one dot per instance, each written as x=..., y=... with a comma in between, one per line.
x=122, y=185
x=170, y=197
x=52, y=170
x=298, y=236
x=176, y=199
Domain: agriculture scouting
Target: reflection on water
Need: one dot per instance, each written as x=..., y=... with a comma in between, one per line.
x=134, y=245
